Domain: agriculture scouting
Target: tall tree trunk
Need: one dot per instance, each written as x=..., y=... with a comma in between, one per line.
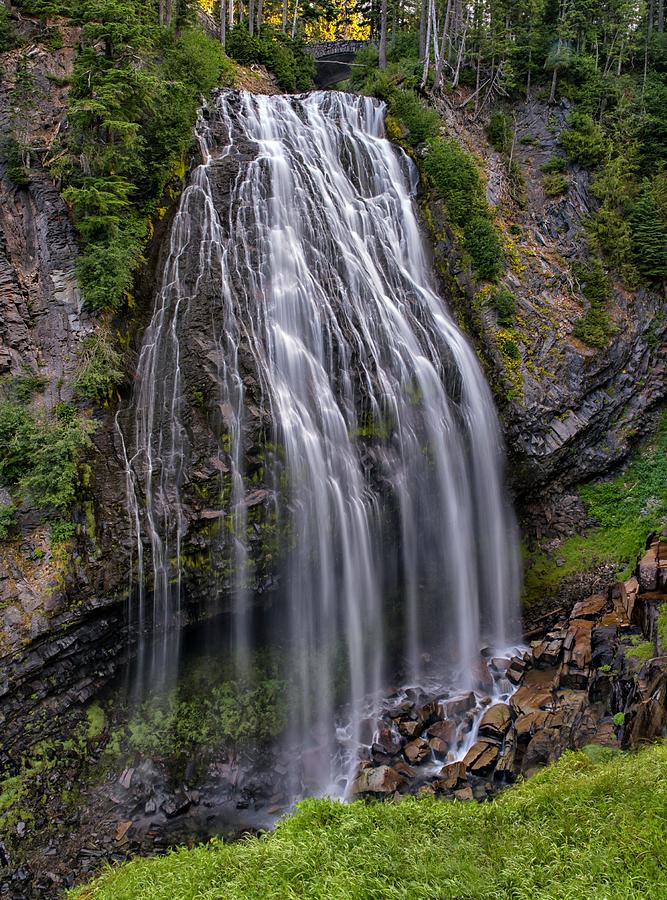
x=230, y=20
x=251, y=16
x=440, y=62
x=260, y=16
x=530, y=63
x=459, y=58
x=427, y=54
x=167, y=13
x=284, y=26
x=294, y=20
x=661, y=16
x=423, y=22
x=223, y=23
x=161, y=13
x=382, y=62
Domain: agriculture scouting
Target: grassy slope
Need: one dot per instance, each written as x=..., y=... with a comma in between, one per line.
x=627, y=508
x=577, y=830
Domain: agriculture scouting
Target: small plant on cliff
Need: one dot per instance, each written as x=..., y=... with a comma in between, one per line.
x=503, y=301
x=500, y=131
x=595, y=327
x=100, y=369
x=554, y=184
x=584, y=141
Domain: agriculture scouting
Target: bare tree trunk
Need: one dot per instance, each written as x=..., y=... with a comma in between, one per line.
x=161, y=13
x=382, y=61
x=231, y=14
x=459, y=59
x=167, y=13
x=251, y=16
x=284, y=16
x=427, y=55
x=223, y=23
x=530, y=62
x=422, y=28
x=294, y=20
x=260, y=16
x=661, y=16
x=440, y=62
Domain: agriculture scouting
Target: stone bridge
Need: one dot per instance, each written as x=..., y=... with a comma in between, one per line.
x=336, y=48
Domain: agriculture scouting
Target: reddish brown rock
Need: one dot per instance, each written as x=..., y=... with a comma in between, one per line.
x=445, y=731
x=495, y=722
x=438, y=747
x=380, y=780
x=416, y=751
x=648, y=568
x=481, y=758
x=452, y=774
x=590, y=608
x=409, y=727
x=464, y=793
x=454, y=708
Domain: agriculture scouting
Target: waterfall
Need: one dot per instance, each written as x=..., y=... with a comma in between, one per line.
x=298, y=238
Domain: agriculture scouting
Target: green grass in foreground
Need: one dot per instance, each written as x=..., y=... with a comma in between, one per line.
x=627, y=509
x=579, y=829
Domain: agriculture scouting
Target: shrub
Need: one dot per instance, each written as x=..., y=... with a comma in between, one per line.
x=7, y=36
x=421, y=122
x=483, y=244
x=62, y=532
x=503, y=301
x=595, y=327
x=287, y=59
x=649, y=236
x=555, y=164
x=554, y=185
x=584, y=141
x=456, y=179
x=7, y=513
x=40, y=458
x=100, y=369
x=500, y=132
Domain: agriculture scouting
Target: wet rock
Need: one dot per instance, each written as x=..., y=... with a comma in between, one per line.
x=121, y=831
x=481, y=758
x=176, y=805
x=444, y=731
x=417, y=751
x=516, y=669
x=380, y=780
x=451, y=775
x=648, y=568
x=464, y=793
x=495, y=722
x=428, y=713
x=438, y=747
x=410, y=728
x=452, y=709
x=404, y=769
x=387, y=740
x=546, y=653
x=125, y=780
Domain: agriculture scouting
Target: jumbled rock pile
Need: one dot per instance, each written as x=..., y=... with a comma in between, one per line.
x=598, y=676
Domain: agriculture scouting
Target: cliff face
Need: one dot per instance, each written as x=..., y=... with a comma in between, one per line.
x=570, y=411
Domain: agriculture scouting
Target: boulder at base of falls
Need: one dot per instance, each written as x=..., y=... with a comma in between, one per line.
x=444, y=731
x=452, y=709
x=495, y=723
x=450, y=776
x=481, y=758
x=417, y=751
x=380, y=780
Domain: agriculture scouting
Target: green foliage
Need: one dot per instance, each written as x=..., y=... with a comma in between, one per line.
x=14, y=153
x=100, y=369
x=62, y=532
x=570, y=831
x=640, y=649
x=626, y=509
x=456, y=179
x=7, y=521
x=135, y=93
x=96, y=721
x=229, y=713
x=421, y=122
x=619, y=719
x=662, y=629
x=287, y=59
x=503, y=301
x=584, y=141
x=556, y=164
x=554, y=184
x=7, y=35
x=482, y=241
x=40, y=457
x=595, y=327
x=499, y=131
x=649, y=234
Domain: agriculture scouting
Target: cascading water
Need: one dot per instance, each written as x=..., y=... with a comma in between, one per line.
x=398, y=551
